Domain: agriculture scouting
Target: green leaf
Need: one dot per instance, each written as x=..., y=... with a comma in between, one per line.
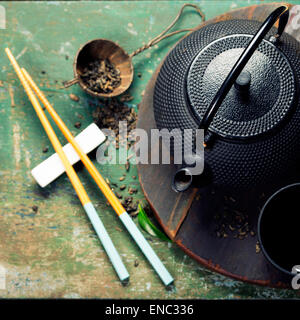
x=149, y=227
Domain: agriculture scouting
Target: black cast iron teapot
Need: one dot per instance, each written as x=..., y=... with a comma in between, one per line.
x=239, y=81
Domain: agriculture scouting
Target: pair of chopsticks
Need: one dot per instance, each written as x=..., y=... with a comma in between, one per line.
x=136, y=234
x=109, y=247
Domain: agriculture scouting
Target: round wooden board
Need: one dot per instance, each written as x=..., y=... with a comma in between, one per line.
x=189, y=218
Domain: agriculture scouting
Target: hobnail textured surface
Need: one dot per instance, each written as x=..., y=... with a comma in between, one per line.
x=249, y=113
x=241, y=163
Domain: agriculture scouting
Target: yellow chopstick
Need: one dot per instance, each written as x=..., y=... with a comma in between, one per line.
x=112, y=199
x=108, y=193
x=86, y=202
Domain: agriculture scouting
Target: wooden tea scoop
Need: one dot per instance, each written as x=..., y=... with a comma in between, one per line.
x=104, y=49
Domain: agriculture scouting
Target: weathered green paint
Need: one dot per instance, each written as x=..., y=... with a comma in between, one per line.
x=55, y=252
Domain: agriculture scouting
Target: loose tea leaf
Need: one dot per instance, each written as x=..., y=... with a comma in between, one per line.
x=101, y=76
x=126, y=97
x=257, y=247
x=129, y=205
x=77, y=124
x=132, y=190
x=119, y=195
x=73, y=97
x=148, y=226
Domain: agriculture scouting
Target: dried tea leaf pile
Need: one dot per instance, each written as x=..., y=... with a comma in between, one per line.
x=108, y=116
x=232, y=222
x=101, y=76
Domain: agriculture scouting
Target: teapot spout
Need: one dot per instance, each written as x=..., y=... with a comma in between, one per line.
x=183, y=179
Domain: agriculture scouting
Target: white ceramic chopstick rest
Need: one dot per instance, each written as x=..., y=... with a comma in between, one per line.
x=51, y=168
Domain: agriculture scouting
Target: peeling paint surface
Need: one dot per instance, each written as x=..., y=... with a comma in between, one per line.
x=53, y=252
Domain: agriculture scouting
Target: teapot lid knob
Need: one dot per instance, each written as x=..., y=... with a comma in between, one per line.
x=242, y=83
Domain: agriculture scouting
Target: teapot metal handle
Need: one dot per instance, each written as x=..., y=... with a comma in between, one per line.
x=281, y=13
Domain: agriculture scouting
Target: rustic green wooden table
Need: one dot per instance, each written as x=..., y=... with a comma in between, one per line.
x=54, y=252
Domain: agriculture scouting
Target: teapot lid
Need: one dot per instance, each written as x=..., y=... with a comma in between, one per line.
x=261, y=97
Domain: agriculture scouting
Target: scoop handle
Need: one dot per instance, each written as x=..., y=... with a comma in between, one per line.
x=163, y=34
x=281, y=13
x=69, y=83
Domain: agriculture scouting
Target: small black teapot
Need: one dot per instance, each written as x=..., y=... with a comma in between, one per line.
x=238, y=80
